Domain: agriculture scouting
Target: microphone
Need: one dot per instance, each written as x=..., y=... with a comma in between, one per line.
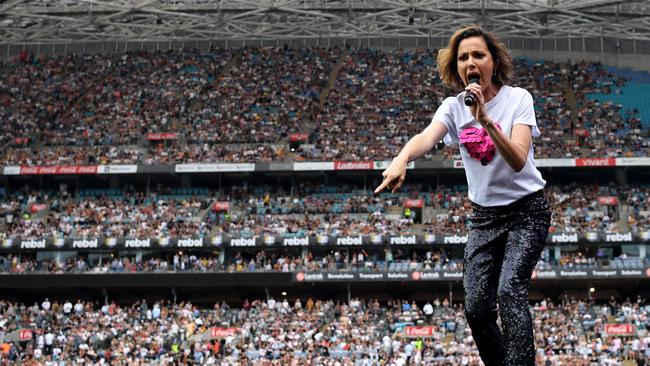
x=470, y=98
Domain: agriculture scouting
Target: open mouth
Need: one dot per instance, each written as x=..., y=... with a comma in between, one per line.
x=473, y=75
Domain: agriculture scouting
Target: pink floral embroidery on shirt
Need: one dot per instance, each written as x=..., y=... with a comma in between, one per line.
x=478, y=143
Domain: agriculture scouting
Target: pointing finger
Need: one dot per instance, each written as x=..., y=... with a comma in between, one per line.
x=382, y=186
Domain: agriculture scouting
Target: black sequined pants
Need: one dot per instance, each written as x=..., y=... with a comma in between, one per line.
x=504, y=245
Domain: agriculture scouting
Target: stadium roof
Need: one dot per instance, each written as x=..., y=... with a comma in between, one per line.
x=65, y=21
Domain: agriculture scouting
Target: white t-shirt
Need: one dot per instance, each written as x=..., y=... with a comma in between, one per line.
x=495, y=184
x=49, y=339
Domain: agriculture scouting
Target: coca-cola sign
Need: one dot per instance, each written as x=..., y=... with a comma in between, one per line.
x=24, y=335
x=414, y=203
x=301, y=137
x=582, y=132
x=36, y=207
x=217, y=332
x=426, y=331
x=153, y=136
x=221, y=206
x=608, y=200
x=624, y=329
x=73, y=169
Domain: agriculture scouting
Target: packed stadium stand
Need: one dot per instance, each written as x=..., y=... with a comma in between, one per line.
x=361, y=332
x=346, y=104
x=67, y=248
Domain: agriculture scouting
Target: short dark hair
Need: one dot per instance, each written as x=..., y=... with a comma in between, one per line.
x=447, y=57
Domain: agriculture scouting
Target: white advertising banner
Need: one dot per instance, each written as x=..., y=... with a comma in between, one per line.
x=382, y=165
x=117, y=169
x=546, y=163
x=632, y=161
x=315, y=165
x=223, y=167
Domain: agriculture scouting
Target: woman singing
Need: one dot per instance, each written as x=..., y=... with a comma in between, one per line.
x=511, y=217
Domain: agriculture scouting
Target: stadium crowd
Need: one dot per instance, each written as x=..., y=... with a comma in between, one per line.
x=305, y=210
x=379, y=100
x=56, y=108
x=256, y=261
x=316, y=332
x=287, y=260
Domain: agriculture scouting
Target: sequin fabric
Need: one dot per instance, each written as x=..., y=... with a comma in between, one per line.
x=478, y=143
x=504, y=245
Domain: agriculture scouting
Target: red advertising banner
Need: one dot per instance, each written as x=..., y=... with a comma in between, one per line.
x=624, y=329
x=222, y=332
x=354, y=165
x=25, y=335
x=221, y=206
x=73, y=169
x=581, y=132
x=414, y=203
x=154, y=136
x=608, y=200
x=419, y=331
x=298, y=137
x=596, y=162
x=36, y=207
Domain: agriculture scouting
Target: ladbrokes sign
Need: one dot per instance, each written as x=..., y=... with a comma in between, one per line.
x=353, y=165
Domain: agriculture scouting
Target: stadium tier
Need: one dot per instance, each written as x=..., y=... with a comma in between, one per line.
x=283, y=104
x=305, y=332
